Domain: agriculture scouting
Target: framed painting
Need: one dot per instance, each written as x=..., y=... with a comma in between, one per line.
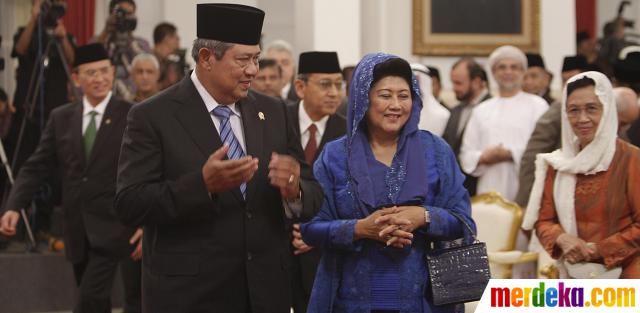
x=474, y=27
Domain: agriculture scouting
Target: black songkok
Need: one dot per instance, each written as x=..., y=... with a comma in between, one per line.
x=627, y=70
x=534, y=59
x=90, y=53
x=576, y=62
x=231, y=23
x=318, y=62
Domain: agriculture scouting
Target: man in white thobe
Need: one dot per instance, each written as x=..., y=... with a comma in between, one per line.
x=500, y=127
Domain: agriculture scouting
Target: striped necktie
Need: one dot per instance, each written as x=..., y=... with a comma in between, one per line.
x=223, y=112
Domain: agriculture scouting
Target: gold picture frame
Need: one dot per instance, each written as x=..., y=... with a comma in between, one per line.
x=426, y=42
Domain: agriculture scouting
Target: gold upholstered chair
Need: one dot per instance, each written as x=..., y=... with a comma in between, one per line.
x=498, y=222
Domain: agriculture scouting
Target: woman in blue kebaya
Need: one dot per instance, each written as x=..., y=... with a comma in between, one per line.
x=389, y=193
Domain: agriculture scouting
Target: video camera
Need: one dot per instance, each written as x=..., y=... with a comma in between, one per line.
x=51, y=11
x=627, y=23
x=178, y=59
x=124, y=23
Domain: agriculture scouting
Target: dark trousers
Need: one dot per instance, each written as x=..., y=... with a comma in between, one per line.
x=299, y=296
x=132, y=281
x=94, y=278
x=303, y=273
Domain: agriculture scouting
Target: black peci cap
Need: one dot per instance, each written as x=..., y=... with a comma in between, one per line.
x=534, y=59
x=90, y=53
x=576, y=62
x=627, y=70
x=232, y=23
x=318, y=62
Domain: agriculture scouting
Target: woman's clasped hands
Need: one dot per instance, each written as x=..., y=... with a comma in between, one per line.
x=392, y=226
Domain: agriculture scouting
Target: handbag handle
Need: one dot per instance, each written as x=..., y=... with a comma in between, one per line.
x=470, y=230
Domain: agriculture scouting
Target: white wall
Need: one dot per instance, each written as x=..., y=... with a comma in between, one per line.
x=280, y=21
x=387, y=27
x=607, y=10
x=302, y=23
x=329, y=25
x=13, y=13
x=150, y=13
x=351, y=27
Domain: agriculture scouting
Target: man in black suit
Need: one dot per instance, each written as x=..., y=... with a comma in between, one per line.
x=215, y=216
x=471, y=87
x=314, y=119
x=537, y=79
x=82, y=142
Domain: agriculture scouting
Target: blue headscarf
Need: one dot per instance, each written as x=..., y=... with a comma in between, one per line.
x=406, y=179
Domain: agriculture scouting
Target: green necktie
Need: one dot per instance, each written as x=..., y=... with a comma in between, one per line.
x=90, y=134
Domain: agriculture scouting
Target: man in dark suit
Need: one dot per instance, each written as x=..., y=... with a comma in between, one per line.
x=315, y=122
x=471, y=87
x=537, y=79
x=546, y=136
x=82, y=142
x=209, y=168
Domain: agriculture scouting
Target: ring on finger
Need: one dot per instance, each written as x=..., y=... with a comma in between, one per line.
x=291, y=178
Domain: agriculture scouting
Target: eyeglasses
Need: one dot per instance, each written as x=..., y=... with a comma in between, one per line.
x=326, y=84
x=590, y=110
x=93, y=73
x=245, y=61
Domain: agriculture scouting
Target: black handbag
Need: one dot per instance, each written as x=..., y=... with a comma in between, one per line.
x=460, y=273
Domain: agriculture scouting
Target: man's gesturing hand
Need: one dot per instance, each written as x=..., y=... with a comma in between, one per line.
x=223, y=175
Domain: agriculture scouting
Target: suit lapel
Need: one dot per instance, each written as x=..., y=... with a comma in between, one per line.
x=331, y=132
x=295, y=118
x=253, y=121
x=110, y=118
x=76, y=133
x=195, y=119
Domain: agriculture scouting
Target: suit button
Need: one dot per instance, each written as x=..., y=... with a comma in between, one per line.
x=249, y=256
x=84, y=179
x=249, y=215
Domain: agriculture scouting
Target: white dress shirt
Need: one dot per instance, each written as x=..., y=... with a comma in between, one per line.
x=235, y=119
x=291, y=208
x=284, y=93
x=100, y=108
x=305, y=121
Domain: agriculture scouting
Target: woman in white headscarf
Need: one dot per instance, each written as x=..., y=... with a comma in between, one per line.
x=434, y=116
x=585, y=203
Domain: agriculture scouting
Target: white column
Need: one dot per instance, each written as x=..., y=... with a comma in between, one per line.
x=386, y=27
x=279, y=22
x=557, y=35
x=329, y=25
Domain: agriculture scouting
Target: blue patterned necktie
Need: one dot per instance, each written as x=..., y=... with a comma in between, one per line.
x=222, y=112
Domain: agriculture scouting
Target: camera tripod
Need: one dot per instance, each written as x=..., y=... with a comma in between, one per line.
x=35, y=95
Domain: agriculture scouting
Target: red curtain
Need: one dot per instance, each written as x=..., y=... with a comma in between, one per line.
x=80, y=18
x=586, y=16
